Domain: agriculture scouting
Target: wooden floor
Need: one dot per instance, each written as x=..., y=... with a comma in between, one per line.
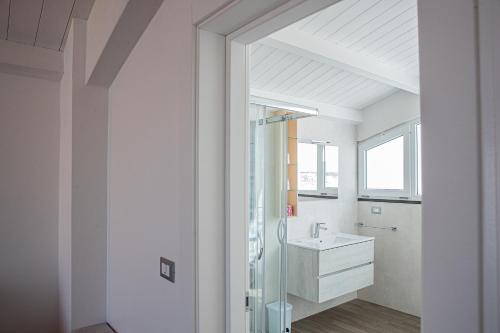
x=358, y=316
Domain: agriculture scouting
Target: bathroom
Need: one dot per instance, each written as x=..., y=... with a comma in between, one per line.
x=335, y=168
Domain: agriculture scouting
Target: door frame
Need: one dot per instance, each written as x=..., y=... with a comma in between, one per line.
x=236, y=138
x=435, y=217
x=237, y=143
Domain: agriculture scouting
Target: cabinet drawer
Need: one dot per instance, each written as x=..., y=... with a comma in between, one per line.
x=341, y=258
x=342, y=283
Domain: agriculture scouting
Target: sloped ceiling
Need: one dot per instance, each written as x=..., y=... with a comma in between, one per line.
x=40, y=23
x=381, y=33
x=288, y=74
x=384, y=29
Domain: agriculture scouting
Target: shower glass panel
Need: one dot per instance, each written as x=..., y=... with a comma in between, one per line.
x=267, y=227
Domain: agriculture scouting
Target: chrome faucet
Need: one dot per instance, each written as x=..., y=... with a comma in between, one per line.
x=317, y=227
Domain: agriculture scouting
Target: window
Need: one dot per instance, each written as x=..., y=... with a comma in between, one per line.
x=318, y=168
x=390, y=164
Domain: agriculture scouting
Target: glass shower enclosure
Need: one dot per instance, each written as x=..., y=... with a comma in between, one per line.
x=268, y=212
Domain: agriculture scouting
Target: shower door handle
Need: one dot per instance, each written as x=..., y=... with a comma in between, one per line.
x=260, y=245
x=281, y=231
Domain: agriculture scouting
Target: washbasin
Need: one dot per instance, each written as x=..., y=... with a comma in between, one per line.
x=329, y=241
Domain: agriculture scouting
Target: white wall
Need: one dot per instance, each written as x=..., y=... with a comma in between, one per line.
x=65, y=188
x=55, y=169
x=29, y=146
x=339, y=214
x=202, y=9
x=396, y=109
x=397, y=255
x=151, y=182
x=450, y=140
x=210, y=179
x=89, y=191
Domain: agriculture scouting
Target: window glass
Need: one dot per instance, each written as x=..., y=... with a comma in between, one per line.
x=419, y=159
x=385, y=166
x=307, y=166
x=331, y=166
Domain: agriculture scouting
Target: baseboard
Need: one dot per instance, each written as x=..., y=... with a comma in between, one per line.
x=112, y=328
x=99, y=328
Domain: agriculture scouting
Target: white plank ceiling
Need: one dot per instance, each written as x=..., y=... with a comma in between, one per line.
x=40, y=23
x=382, y=31
x=284, y=73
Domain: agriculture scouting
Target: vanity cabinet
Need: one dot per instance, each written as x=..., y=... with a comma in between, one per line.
x=319, y=275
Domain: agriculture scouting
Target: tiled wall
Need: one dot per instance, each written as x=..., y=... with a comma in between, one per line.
x=397, y=255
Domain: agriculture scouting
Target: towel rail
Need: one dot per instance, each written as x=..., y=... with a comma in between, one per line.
x=362, y=225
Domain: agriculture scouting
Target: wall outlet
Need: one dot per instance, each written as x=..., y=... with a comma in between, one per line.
x=376, y=210
x=167, y=269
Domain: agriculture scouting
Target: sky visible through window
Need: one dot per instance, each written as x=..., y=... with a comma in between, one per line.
x=308, y=166
x=385, y=166
x=331, y=166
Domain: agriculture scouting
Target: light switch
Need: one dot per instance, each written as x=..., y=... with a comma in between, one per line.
x=376, y=210
x=167, y=269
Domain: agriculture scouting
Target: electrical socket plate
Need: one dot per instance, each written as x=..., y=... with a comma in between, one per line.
x=167, y=269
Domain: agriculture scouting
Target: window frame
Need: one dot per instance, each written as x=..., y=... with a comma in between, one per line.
x=409, y=192
x=322, y=191
x=414, y=157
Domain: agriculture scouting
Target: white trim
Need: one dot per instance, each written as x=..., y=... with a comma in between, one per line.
x=489, y=65
x=26, y=60
x=109, y=158
x=236, y=183
x=414, y=159
x=210, y=177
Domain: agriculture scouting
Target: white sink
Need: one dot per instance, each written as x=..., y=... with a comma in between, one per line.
x=329, y=241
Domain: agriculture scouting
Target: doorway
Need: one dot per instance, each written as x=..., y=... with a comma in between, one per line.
x=353, y=181
x=237, y=83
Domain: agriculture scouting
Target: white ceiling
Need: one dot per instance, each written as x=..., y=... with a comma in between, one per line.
x=41, y=23
x=384, y=29
x=282, y=72
x=349, y=55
